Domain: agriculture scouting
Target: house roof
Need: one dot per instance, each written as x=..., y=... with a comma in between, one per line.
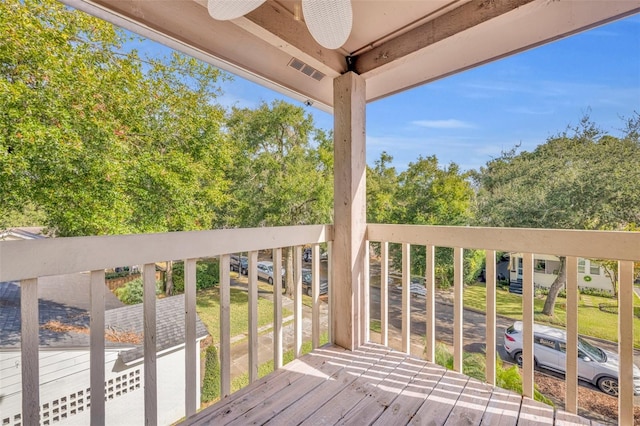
x=394, y=45
x=66, y=307
x=23, y=233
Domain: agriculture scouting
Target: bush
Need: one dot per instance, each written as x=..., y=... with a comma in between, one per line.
x=211, y=382
x=207, y=275
x=474, y=364
x=131, y=293
x=590, y=291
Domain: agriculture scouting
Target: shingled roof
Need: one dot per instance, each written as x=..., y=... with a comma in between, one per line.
x=73, y=311
x=169, y=325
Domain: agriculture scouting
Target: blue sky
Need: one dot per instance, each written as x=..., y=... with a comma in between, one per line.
x=469, y=118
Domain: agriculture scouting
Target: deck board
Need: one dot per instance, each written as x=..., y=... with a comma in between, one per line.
x=374, y=385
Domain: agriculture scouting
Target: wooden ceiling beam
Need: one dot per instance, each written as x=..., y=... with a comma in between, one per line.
x=460, y=19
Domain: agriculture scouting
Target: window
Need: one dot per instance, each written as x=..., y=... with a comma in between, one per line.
x=581, y=266
x=540, y=266
x=594, y=268
x=549, y=343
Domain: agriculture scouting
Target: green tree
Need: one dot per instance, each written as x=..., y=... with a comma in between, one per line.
x=382, y=183
x=579, y=179
x=283, y=170
x=95, y=139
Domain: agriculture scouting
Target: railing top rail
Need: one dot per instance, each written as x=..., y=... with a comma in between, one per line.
x=616, y=245
x=58, y=256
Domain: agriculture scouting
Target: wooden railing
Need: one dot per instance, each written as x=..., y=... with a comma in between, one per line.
x=623, y=247
x=28, y=261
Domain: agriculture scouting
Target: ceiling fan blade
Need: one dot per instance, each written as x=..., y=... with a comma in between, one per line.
x=224, y=10
x=329, y=21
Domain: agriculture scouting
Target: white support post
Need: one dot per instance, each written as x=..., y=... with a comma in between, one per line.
x=96, y=355
x=384, y=293
x=225, y=327
x=406, y=298
x=527, y=325
x=191, y=372
x=315, y=294
x=625, y=339
x=366, y=305
x=29, y=341
x=350, y=220
x=331, y=291
x=277, y=308
x=297, y=301
x=253, y=315
x=571, y=376
x=490, y=347
x=150, y=368
x=430, y=353
x=458, y=308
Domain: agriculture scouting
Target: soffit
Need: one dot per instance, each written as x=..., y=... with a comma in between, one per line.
x=394, y=45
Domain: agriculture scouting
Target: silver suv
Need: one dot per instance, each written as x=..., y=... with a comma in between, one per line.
x=595, y=365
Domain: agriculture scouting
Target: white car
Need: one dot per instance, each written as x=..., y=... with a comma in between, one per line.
x=265, y=271
x=595, y=365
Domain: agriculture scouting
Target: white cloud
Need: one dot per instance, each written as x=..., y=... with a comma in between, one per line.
x=443, y=124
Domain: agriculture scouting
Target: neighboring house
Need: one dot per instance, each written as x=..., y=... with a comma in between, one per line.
x=590, y=273
x=64, y=355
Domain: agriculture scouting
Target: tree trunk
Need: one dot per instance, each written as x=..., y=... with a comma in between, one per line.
x=288, y=260
x=558, y=284
x=168, y=279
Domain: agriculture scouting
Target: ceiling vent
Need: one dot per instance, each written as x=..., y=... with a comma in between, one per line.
x=308, y=70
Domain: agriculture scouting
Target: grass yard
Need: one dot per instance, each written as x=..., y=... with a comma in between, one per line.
x=591, y=320
x=266, y=368
x=208, y=309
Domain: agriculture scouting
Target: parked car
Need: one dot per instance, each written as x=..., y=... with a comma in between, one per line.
x=239, y=264
x=595, y=365
x=265, y=271
x=307, y=255
x=306, y=283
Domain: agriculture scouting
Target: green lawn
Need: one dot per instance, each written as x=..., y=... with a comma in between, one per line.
x=591, y=320
x=266, y=368
x=208, y=308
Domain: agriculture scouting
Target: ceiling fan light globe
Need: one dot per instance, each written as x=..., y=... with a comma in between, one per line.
x=329, y=21
x=224, y=10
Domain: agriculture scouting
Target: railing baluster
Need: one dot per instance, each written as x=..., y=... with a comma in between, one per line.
x=150, y=369
x=384, y=293
x=253, y=315
x=625, y=346
x=29, y=341
x=527, y=325
x=366, y=306
x=191, y=375
x=315, y=294
x=96, y=354
x=225, y=327
x=406, y=298
x=490, y=347
x=277, y=308
x=571, y=376
x=297, y=301
x=458, y=320
x=329, y=296
x=430, y=304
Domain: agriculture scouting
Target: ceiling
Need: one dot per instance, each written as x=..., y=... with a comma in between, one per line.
x=394, y=45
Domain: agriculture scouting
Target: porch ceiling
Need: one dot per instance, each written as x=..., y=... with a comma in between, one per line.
x=394, y=45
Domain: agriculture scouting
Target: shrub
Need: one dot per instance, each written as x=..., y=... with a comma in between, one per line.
x=207, y=275
x=211, y=382
x=590, y=291
x=131, y=293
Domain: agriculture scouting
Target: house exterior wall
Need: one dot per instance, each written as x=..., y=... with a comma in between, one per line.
x=545, y=277
x=64, y=388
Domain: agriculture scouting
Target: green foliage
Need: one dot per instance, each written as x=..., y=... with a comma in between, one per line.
x=474, y=364
x=131, y=293
x=207, y=275
x=211, y=381
x=93, y=141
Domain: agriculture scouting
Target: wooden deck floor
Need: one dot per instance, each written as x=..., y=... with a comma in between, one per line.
x=375, y=386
